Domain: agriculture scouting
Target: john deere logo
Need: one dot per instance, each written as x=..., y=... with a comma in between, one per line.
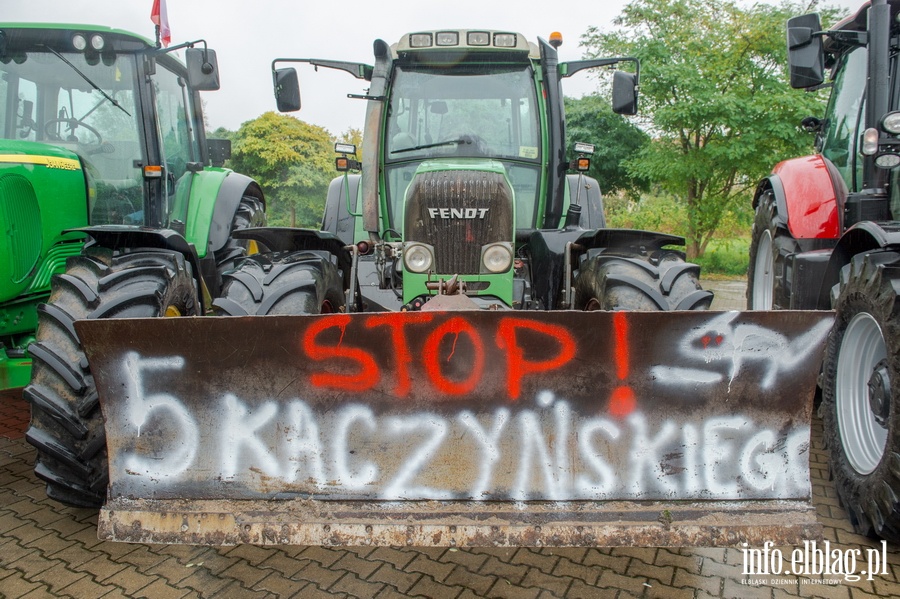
x=470, y=213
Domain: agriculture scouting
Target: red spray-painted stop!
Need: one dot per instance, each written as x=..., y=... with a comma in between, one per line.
x=367, y=373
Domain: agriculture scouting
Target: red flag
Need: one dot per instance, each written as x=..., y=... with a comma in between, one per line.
x=160, y=17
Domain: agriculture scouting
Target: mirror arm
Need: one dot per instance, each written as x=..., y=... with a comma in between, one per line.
x=357, y=69
x=850, y=38
x=568, y=69
x=206, y=68
x=158, y=51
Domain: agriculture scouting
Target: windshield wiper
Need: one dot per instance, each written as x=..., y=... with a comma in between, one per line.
x=88, y=79
x=461, y=140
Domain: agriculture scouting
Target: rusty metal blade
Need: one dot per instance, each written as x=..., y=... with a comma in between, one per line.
x=459, y=524
x=556, y=420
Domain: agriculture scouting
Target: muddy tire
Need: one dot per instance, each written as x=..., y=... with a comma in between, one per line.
x=769, y=244
x=250, y=213
x=281, y=283
x=66, y=423
x=860, y=411
x=660, y=281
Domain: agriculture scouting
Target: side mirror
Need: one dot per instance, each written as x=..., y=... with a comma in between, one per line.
x=287, y=89
x=624, y=93
x=811, y=124
x=806, y=56
x=203, y=69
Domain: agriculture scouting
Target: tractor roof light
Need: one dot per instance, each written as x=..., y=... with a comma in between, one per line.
x=420, y=40
x=891, y=122
x=447, y=38
x=505, y=40
x=79, y=42
x=478, y=38
x=97, y=42
x=869, y=142
x=418, y=257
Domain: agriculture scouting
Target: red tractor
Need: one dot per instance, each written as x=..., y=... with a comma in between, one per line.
x=827, y=236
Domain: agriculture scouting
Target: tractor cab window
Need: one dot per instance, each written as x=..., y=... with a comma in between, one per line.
x=178, y=137
x=471, y=110
x=50, y=99
x=841, y=131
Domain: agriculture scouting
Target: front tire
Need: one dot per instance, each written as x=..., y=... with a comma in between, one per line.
x=66, y=423
x=281, y=283
x=769, y=244
x=860, y=411
x=660, y=281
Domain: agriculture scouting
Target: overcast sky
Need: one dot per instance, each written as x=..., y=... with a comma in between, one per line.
x=247, y=35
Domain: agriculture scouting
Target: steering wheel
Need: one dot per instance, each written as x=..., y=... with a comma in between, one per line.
x=73, y=124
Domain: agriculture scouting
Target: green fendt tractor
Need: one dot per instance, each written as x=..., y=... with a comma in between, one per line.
x=466, y=189
x=109, y=208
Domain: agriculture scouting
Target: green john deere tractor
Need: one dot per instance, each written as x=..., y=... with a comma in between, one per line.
x=109, y=207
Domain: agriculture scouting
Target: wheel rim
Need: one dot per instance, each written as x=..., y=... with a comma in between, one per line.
x=858, y=406
x=764, y=273
x=172, y=312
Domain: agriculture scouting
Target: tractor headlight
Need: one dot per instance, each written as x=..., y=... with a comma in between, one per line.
x=496, y=258
x=888, y=161
x=418, y=257
x=891, y=122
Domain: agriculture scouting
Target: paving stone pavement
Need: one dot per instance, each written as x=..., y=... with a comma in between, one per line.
x=47, y=550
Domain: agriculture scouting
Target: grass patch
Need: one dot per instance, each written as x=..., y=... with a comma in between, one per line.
x=726, y=257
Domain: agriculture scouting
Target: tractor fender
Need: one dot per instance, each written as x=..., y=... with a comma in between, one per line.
x=118, y=237
x=337, y=218
x=214, y=199
x=862, y=237
x=286, y=239
x=585, y=192
x=808, y=192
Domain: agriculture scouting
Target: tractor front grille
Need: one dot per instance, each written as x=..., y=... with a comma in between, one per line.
x=20, y=222
x=457, y=212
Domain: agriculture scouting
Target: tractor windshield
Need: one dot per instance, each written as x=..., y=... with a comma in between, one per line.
x=87, y=106
x=472, y=110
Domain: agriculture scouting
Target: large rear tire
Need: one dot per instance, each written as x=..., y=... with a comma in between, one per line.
x=769, y=244
x=281, y=283
x=66, y=423
x=250, y=213
x=860, y=411
x=660, y=281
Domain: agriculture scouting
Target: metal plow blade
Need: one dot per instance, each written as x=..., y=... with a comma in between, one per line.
x=450, y=428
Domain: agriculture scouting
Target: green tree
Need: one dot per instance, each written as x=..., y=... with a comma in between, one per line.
x=591, y=120
x=715, y=97
x=221, y=133
x=293, y=162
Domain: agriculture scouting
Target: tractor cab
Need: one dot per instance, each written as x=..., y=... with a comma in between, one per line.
x=78, y=99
